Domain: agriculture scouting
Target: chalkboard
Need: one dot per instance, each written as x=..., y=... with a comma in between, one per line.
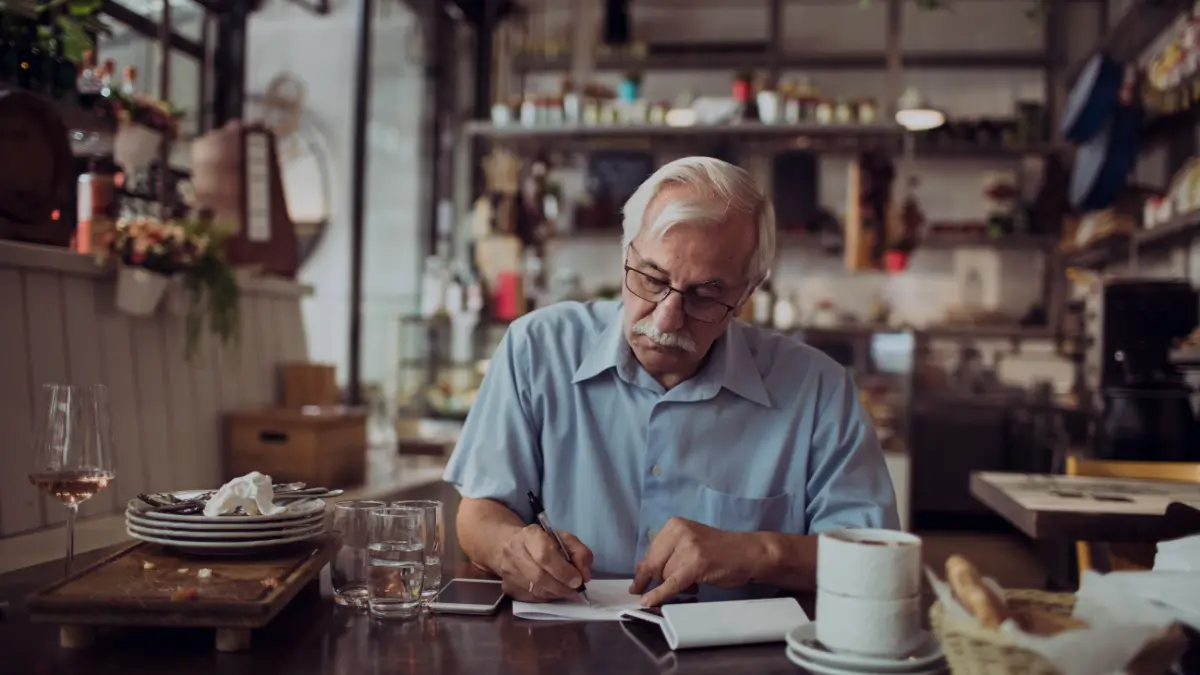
x=614, y=175
x=795, y=190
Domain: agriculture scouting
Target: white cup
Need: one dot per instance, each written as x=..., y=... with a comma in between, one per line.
x=872, y=564
x=880, y=628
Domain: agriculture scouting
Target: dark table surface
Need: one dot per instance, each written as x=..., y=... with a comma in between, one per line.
x=313, y=635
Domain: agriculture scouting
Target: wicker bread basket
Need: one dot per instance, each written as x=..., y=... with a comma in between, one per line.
x=971, y=650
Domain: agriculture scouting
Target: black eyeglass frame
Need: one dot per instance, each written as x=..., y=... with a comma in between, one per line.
x=667, y=293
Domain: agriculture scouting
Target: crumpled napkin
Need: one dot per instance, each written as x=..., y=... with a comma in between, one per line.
x=1120, y=623
x=1178, y=555
x=252, y=492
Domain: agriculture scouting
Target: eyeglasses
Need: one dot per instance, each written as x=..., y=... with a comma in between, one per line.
x=655, y=290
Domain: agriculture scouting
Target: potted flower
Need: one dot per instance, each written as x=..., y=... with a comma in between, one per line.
x=152, y=255
x=148, y=254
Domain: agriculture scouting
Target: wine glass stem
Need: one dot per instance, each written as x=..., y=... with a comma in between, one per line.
x=72, y=510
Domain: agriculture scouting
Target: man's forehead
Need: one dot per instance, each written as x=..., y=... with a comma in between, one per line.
x=693, y=254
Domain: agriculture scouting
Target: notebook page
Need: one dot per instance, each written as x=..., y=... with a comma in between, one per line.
x=609, y=598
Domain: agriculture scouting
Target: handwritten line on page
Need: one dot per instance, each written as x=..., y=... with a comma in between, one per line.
x=609, y=598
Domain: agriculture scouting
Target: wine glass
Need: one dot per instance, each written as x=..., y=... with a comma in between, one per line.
x=73, y=448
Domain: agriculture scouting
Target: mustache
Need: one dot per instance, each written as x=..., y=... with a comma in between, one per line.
x=677, y=340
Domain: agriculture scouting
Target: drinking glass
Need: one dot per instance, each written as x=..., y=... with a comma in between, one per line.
x=395, y=562
x=434, y=538
x=348, y=571
x=73, y=448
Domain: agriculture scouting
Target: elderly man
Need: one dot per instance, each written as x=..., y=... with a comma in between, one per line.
x=668, y=441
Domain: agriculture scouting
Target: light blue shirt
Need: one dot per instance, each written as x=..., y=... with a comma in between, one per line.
x=768, y=436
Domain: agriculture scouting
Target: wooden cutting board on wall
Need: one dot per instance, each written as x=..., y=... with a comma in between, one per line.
x=236, y=176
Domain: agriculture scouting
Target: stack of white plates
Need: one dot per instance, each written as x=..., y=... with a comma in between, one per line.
x=804, y=651
x=232, y=534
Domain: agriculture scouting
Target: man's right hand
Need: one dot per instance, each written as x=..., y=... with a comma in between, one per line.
x=534, y=570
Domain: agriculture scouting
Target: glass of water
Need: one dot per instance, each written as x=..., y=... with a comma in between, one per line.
x=395, y=562
x=348, y=571
x=434, y=535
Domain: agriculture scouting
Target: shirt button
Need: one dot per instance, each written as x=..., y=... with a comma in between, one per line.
x=649, y=533
x=657, y=470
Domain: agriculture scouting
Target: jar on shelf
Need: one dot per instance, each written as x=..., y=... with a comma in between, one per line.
x=529, y=112
x=843, y=112
x=501, y=114
x=658, y=112
x=591, y=111
x=868, y=111
x=823, y=112
x=791, y=105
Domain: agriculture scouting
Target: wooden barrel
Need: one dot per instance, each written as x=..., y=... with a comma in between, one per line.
x=36, y=164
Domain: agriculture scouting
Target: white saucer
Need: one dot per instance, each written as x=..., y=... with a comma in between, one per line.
x=803, y=641
x=825, y=669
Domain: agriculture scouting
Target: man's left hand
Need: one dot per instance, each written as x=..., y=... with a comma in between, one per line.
x=686, y=553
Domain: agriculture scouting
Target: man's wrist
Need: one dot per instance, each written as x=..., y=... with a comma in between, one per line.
x=763, y=554
x=498, y=541
x=783, y=560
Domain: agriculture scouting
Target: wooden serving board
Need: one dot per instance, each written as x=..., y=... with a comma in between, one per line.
x=241, y=594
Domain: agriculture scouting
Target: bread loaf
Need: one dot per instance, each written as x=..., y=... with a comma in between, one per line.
x=980, y=600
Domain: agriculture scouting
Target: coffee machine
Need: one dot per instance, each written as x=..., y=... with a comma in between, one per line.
x=1147, y=411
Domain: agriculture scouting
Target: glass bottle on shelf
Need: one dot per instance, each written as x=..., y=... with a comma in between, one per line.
x=106, y=78
x=129, y=82
x=88, y=83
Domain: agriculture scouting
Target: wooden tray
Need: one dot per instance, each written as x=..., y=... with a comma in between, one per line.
x=240, y=595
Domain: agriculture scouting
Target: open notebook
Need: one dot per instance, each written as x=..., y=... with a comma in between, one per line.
x=609, y=598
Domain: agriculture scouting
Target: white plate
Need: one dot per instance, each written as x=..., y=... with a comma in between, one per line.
x=192, y=535
x=803, y=640
x=222, y=547
x=299, y=509
x=232, y=524
x=825, y=669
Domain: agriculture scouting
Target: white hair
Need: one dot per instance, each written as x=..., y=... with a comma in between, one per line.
x=719, y=189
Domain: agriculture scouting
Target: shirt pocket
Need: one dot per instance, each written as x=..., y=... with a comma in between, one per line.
x=736, y=513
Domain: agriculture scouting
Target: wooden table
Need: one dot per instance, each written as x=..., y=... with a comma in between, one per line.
x=1088, y=509
x=313, y=635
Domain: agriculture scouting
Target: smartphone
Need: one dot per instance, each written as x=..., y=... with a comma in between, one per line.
x=468, y=596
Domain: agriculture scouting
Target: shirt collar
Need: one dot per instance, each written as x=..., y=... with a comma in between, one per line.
x=730, y=366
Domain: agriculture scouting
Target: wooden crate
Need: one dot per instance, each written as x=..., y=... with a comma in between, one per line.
x=308, y=384
x=240, y=595
x=327, y=449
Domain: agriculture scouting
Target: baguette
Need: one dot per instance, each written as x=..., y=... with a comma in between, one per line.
x=980, y=600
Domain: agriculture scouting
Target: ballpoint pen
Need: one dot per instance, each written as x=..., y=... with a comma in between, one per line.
x=544, y=521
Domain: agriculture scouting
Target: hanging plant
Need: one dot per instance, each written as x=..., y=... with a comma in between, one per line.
x=76, y=20
x=212, y=284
